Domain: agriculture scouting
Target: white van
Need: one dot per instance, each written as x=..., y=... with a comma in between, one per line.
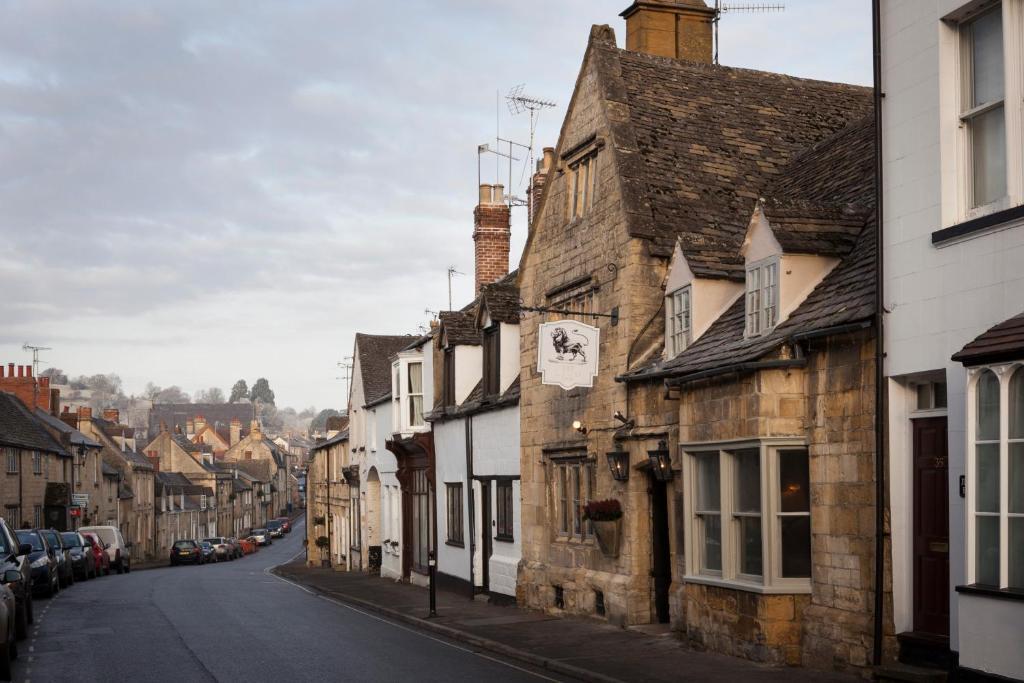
x=114, y=543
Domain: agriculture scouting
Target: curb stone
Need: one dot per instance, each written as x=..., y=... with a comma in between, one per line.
x=547, y=663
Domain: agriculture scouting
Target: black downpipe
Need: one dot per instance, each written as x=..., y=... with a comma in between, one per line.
x=470, y=504
x=880, y=404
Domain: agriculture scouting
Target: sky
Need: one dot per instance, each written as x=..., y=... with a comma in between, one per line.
x=195, y=192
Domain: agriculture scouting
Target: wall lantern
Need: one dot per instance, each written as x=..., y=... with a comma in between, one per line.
x=661, y=462
x=618, y=463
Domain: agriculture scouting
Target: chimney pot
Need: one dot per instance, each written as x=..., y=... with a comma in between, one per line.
x=498, y=196
x=28, y=370
x=485, y=194
x=10, y=369
x=21, y=371
x=679, y=29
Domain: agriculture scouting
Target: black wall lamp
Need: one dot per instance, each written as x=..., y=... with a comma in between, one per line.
x=661, y=462
x=618, y=463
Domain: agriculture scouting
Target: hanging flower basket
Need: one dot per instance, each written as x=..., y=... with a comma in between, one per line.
x=606, y=518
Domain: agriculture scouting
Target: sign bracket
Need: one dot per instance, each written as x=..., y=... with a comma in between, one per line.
x=614, y=315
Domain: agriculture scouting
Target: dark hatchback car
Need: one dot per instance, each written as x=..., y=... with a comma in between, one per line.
x=65, y=572
x=83, y=563
x=16, y=573
x=43, y=560
x=275, y=528
x=186, y=552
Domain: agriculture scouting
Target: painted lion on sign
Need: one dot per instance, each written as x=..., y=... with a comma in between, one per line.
x=566, y=345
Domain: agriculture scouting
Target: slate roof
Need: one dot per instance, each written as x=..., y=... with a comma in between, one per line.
x=19, y=428
x=845, y=296
x=173, y=479
x=460, y=327
x=178, y=414
x=261, y=470
x=375, y=353
x=75, y=437
x=108, y=470
x=502, y=302
x=709, y=140
x=137, y=459
x=1002, y=342
x=337, y=438
x=477, y=403
x=185, y=444
x=238, y=485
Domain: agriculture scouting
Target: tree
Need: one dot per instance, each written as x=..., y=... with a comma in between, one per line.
x=211, y=395
x=262, y=392
x=151, y=391
x=319, y=423
x=172, y=394
x=271, y=419
x=239, y=391
x=56, y=375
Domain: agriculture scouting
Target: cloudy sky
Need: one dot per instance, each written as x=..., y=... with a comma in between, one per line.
x=195, y=191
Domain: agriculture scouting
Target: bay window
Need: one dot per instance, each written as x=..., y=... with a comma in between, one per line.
x=995, y=491
x=748, y=520
x=415, y=394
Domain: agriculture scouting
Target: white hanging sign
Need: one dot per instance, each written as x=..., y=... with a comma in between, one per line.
x=567, y=353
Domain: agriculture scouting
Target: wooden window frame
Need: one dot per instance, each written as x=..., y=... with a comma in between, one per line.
x=678, y=320
x=448, y=376
x=575, y=481
x=455, y=527
x=505, y=510
x=492, y=360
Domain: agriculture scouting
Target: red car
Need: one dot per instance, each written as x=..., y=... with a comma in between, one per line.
x=286, y=524
x=99, y=550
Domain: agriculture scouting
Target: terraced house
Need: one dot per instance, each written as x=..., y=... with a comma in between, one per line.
x=715, y=225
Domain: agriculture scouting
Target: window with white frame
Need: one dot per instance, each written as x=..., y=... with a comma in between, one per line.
x=12, y=461
x=415, y=395
x=982, y=112
x=677, y=318
x=762, y=297
x=396, y=397
x=37, y=462
x=749, y=516
x=995, y=477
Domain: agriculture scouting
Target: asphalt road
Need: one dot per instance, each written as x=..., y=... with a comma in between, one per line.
x=234, y=621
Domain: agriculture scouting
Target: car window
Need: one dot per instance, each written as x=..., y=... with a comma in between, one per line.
x=52, y=538
x=30, y=537
x=106, y=535
x=184, y=544
x=70, y=539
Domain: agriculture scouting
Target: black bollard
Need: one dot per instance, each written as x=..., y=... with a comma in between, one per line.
x=432, y=563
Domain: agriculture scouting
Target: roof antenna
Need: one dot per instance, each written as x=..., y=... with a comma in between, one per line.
x=35, y=356
x=721, y=7
x=451, y=272
x=517, y=104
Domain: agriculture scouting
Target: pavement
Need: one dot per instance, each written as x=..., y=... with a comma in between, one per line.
x=236, y=621
x=583, y=649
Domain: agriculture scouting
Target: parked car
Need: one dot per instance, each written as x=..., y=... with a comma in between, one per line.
x=236, y=547
x=209, y=552
x=275, y=528
x=118, y=551
x=286, y=524
x=186, y=552
x=99, y=552
x=222, y=546
x=247, y=545
x=83, y=561
x=43, y=560
x=16, y=573
x=65, y=573
x=261, y=536
x=8, y=622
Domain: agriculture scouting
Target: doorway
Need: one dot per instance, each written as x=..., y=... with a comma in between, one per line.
x=661, y=557
x=931, y=527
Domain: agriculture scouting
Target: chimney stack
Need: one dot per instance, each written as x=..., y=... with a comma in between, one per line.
x=254, y=429
x=112, y=415
x=84, y=413
x=680, y=29
x=236, y=431
x=190, y=427
x=544, y=166
x=492, y=231
x=200, y=422
x=34, y=392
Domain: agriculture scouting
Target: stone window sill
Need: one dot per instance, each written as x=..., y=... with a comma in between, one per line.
x=1014, y=594
x=788, y=589
x=455, y=544
x=504, y=538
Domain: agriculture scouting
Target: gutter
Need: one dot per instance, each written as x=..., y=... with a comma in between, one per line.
x=881, y=423
x=736, y=369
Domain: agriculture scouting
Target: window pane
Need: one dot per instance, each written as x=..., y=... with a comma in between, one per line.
x=987, y=489
x=416, y=411
x=794, y=482
x=796, y=546
x=750, y=545
x=940, y=394
x=986, y=34
x=1016, y=550
x=1016, y=466
x=709, y=485
x=988, y=146
x=1017, y=405
x=748, y=481
x=924, y=397
x=987, y=544
x=712, y=542
x=988, y=407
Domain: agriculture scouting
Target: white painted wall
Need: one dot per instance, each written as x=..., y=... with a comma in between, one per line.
x=496, y=453
x=469, y=367
x=991, y=632
x=450, y=467
x=509, y=355
x=386, y=464
x=939, y=297
x=799, y=274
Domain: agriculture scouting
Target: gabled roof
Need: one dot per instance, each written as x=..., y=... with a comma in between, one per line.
x=501, y=301
x=340, y=437
x=375, y=353
x=845, y=296
x=108, y=470
x=137, y=459
x=459, y=328
x=1002, y=342
x=75, y=437
x=184, y=442
x=178, y=414
x=708, y=141
x=19, y=428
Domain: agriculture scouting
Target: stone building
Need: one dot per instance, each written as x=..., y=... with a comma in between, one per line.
x=327, y=502
x=261, y=457
x=184, y=510
x=645, y=227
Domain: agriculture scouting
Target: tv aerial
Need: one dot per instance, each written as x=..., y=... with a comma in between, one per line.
x=35, y=356
x=722, y=7
x=519, y=102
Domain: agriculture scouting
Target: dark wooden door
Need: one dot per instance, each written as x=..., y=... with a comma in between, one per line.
x=931, y=526
x=486, y=533
x=661, y=559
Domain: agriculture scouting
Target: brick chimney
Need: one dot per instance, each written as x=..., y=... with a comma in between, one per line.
x=544, y=166
x=236, y=431
x=34, y=392
x=112, y=415
x=680, y=29
x=200, y=422
x=492, y=232
x=84, y=413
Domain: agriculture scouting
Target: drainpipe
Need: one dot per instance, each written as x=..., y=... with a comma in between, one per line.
x=880, y=404
x=471, y=505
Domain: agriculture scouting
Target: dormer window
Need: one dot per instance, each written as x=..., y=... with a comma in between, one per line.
x=762, y=296
x=448, y=386
x=678, y=319
x=583, y=184
x=492, y=360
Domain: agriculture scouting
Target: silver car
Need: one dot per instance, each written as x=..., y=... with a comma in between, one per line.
x=222, y=547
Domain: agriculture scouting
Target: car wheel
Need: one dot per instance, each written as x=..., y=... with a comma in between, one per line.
x=128, y=568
